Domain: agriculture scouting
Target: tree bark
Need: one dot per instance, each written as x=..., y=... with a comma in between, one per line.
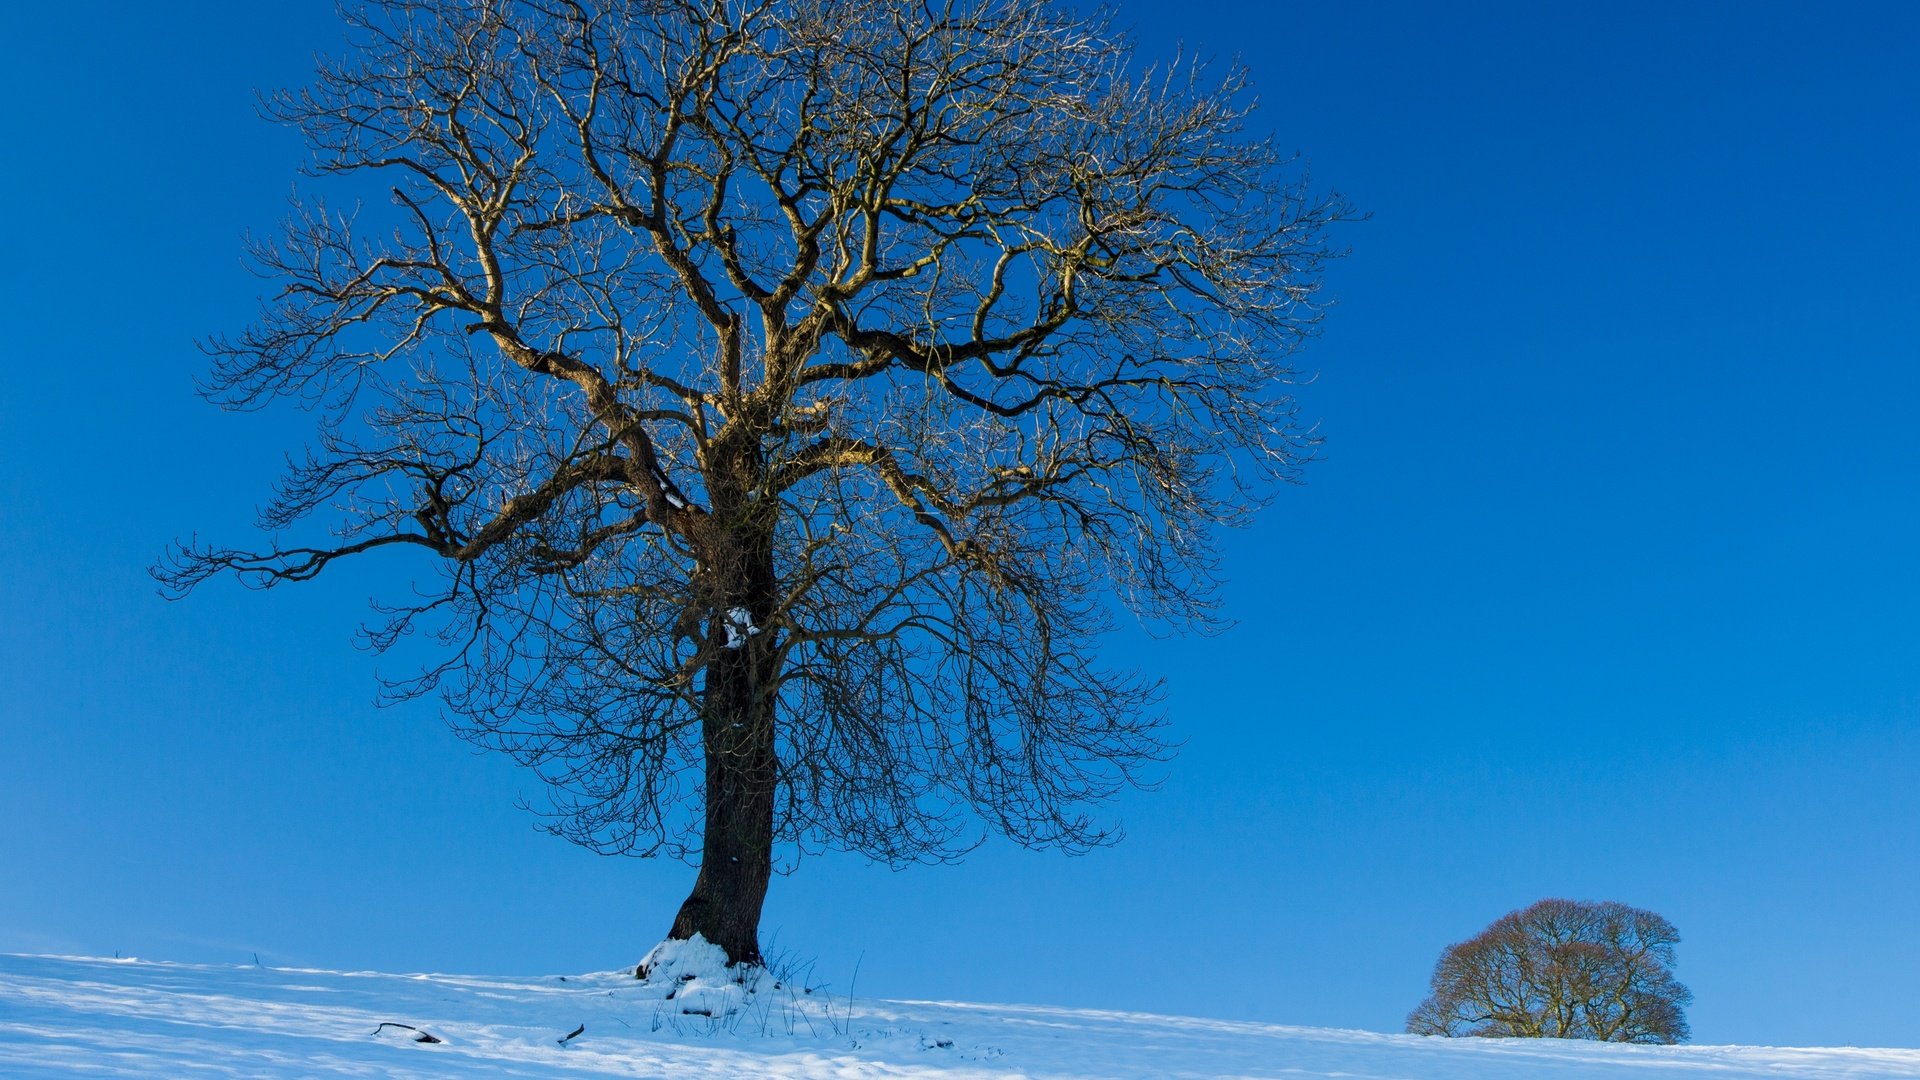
x=736, y=861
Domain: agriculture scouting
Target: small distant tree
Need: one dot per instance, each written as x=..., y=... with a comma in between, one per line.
x=1561, y=969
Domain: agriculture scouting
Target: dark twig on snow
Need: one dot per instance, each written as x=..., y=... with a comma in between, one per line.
x=419, y=1036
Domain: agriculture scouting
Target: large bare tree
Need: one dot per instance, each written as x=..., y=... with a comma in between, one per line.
x=787, y=391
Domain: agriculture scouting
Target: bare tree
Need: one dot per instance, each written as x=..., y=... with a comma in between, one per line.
x=1561, y=969
x=785, y=390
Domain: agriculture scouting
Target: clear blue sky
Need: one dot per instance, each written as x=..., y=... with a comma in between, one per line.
x=1607, y=586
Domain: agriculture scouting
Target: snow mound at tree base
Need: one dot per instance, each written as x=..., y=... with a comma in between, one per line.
x=63, y=1017
x=694, y=974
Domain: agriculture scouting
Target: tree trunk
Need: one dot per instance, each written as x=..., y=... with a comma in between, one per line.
x=736, y=861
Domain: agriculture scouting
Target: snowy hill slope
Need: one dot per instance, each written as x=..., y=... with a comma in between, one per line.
x=78, y=1017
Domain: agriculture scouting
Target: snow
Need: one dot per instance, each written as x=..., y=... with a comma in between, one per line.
x=739, y=627
x=694, y=975
x=64, y=1016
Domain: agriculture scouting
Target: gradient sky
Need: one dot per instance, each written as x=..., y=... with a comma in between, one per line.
x=1606, y=588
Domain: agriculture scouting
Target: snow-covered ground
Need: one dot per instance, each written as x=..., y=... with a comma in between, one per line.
x=63, y=1017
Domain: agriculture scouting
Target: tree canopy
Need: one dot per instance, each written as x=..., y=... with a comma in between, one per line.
x=1561, y=969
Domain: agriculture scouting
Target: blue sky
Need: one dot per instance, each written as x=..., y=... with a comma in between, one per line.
x=1606, y=586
